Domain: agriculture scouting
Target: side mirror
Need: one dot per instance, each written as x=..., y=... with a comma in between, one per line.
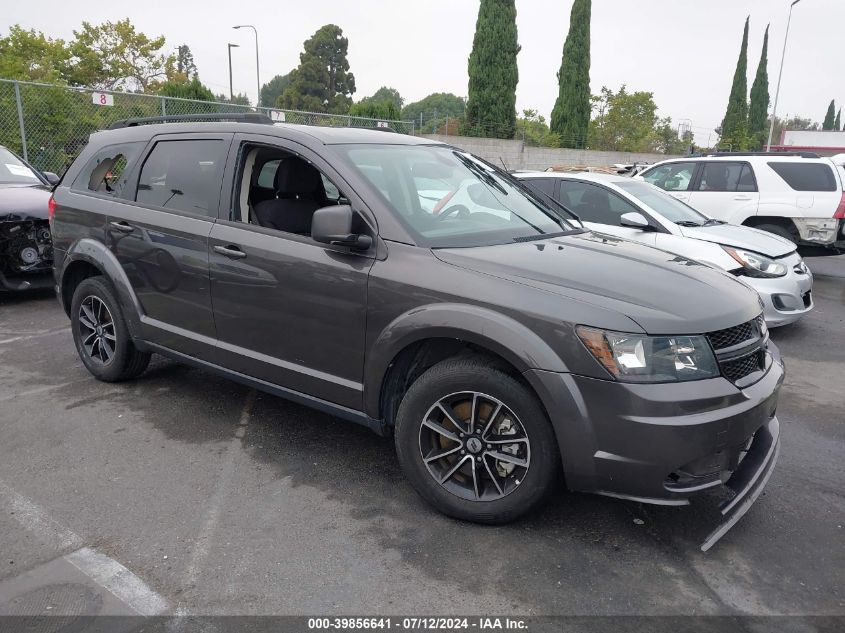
x=635, y=220
x=333, y=225
x=52, y=178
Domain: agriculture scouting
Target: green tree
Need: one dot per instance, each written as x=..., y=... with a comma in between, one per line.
x=830, y=117
x=322, y=81
x=113, y=55
x=493, y=73
x=759, y=107
x=534, y=130
x=837, y=125
x=432, y=108
x=192, y=89
x=185, y=62
x=387, y=94
x=626, y=121
x=375, y=110
x=735, y=124
x=273, y=89
x=571, y=114
x=30, y=55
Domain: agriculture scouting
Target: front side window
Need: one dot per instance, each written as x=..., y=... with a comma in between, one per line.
x=671, y=176
x=447, y=197
x=543, y=185
x=670, y=208
x=183, y=176
x=806, y=176
x=13, y=171
x=108, y=170
x=722, y=176
x=593, y=203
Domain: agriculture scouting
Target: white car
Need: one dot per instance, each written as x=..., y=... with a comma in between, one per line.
x=638, y=211
x=797, y=196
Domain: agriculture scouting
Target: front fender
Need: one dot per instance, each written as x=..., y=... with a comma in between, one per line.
x=95, y=253
x=483, y=327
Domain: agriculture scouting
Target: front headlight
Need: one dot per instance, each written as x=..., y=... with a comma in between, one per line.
x=756, y=265
x=642, y=358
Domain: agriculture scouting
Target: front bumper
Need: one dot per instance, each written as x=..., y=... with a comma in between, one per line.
x=785, y=299
x=661, y=443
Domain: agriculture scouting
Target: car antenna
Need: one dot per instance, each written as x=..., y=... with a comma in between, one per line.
x=501, y=160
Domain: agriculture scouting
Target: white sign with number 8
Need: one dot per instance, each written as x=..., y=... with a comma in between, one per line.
x=102, y=98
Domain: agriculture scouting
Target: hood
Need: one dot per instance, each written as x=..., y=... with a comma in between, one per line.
x=741, y=237
x=23, y=202
x=662, y=292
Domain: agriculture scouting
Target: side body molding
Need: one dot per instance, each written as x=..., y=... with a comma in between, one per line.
x=96, y=254
x=486, y=328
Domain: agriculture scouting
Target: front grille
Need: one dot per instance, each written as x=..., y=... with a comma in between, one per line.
x=738, y=369
x=753, y=358
x=731, y=336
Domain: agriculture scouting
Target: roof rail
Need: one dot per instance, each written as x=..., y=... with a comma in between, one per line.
x=801, y=154
x=242, y=117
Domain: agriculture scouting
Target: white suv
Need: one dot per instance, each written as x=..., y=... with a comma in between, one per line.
x=797, y=196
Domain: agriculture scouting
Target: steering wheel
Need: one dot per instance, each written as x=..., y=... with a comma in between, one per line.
x=458, y=210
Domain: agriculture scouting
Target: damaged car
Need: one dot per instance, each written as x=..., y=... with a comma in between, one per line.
x=26, y=250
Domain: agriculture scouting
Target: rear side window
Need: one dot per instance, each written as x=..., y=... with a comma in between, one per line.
x=806, y=176
x=183, y=176
x=723, y=176
x=108, y=170
x=267, y=175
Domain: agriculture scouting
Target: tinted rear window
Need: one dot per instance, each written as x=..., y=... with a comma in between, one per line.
x=806, y=176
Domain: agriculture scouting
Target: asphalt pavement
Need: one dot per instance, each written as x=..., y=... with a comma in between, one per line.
x=213, y=499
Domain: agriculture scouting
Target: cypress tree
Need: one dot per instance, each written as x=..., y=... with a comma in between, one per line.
x=759, y=108
x=571, y=114
x=493, y=73
x=735, y=123
x=837, y=125
x=830, y=117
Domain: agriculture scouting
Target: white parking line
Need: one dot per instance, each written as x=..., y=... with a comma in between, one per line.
x=38, y=334
x=215, y=504
x=121, y=582
x=35, y=519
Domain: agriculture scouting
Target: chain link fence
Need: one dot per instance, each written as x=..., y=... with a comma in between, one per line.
x=48, y=125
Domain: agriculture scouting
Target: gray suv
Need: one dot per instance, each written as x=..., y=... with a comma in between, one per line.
x=411, y=287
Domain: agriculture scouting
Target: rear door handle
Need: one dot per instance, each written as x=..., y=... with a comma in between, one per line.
x=123, y=227
x=231, y=251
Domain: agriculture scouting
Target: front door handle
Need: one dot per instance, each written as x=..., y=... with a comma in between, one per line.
x=742, y=197
x=123, y=227
x=231, y=251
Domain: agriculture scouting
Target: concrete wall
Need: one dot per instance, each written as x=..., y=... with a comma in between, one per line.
x=516, y=155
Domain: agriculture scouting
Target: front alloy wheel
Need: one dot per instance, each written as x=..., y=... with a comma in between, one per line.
x=474, y=446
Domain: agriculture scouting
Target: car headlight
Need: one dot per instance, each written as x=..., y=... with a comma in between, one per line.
x=756, y=265
x=642, y=358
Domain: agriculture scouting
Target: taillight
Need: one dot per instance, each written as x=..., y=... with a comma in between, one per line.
x=51, y=209
x=840, y=210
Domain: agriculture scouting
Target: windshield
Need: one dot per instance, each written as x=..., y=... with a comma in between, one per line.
x=450, y=198
x=667, y=206
x=13, y=171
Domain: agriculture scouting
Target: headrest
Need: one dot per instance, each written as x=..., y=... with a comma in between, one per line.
x=295, y=177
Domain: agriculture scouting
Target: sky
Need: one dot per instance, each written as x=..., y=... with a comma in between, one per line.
x=684, y=51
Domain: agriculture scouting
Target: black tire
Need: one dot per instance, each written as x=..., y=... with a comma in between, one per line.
x=501, y=500
x=780, y=231
x=125, y=361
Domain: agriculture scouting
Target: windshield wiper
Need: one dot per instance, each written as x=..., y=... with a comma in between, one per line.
x=480, y=172
x=689, y=223
x=713, y=221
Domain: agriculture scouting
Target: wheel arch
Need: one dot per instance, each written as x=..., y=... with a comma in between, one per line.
x=420, y=338
x=88, y=258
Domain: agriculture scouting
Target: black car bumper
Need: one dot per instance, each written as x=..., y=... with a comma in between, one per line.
x=666, y=442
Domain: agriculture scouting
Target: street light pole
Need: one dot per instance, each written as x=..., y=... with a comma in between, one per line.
x=257, y=70
x=231, y=92
x=780, y=74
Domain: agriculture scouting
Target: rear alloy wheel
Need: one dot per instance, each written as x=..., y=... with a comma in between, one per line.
x=475, y=442
x=101, y=335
